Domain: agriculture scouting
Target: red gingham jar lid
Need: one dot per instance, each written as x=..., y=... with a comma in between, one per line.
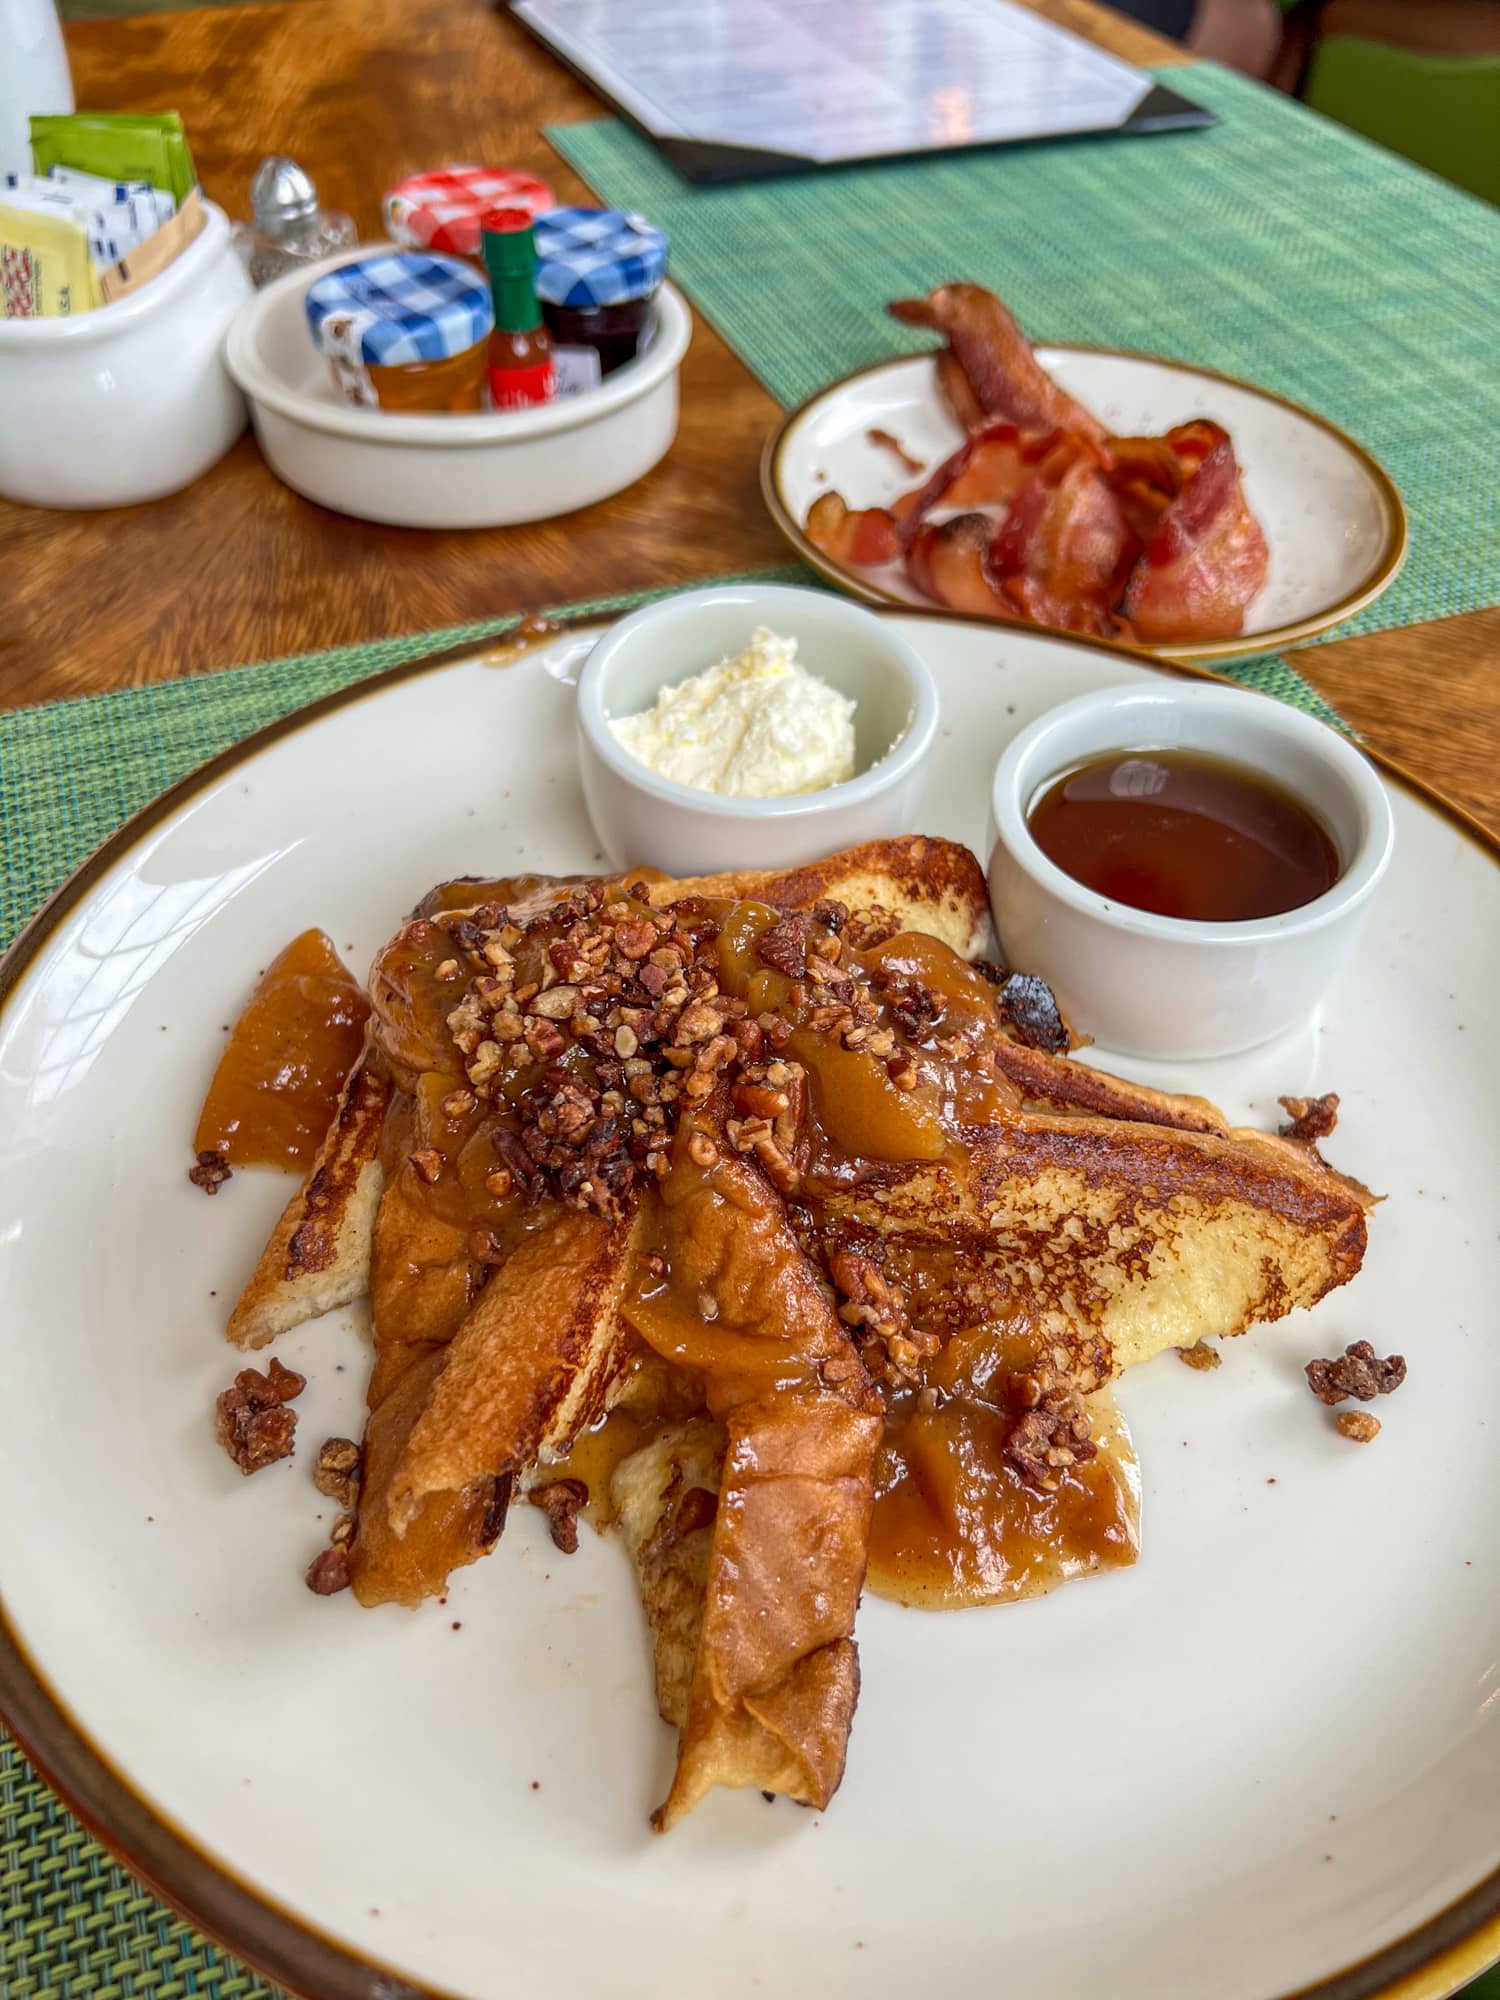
x=440, y=210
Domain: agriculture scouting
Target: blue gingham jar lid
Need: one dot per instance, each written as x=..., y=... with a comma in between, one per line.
x=392, y=309
x=597, y=257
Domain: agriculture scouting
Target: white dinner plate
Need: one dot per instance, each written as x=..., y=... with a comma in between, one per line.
x=1332, y=517
x=1266, y=1755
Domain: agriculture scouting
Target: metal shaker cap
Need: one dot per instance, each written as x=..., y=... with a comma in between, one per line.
x=282, y=196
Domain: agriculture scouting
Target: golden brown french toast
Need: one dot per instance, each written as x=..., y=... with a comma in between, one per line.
x=529, y=1368
x=926, y=884
x=318, y=1255
x=773, y=1136
x=1112, y=1239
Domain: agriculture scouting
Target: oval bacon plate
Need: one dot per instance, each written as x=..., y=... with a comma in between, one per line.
x=1332, y=519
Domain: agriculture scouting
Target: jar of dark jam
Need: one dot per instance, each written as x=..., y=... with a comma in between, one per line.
x=598, y=272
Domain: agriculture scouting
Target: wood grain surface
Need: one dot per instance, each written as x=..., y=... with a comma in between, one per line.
x=240, y=568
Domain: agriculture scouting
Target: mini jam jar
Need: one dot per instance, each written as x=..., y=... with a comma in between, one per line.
x=440, y=210
x=597, y=272
x=404, y=331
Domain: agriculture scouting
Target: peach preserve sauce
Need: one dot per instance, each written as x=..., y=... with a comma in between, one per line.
x=277, y=1084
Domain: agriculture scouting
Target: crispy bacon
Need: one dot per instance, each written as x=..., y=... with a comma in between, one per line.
x=864, y=537
x=949, y=562
x=1205, y=561
x=995, y=356
x=953, y=387
x=1040, y=515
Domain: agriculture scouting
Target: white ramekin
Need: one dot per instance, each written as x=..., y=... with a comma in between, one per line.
x=132, y=400
x=648, y=820
x=485, y=469
x=1150, y=985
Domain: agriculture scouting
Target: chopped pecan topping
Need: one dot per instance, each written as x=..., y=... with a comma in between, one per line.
x=1311, y=1118
x=211, y=1172
x=1358, y=1425
x=890, y=1346
x=1029, y=1011
x=560, y=1500
x=328, y=1572
x=429, y=1163
x=1200, y=1355
x=250, y=1417
x=337, y=1472
x=784, y=946
x=1050, y=1439
x=1357, y=1372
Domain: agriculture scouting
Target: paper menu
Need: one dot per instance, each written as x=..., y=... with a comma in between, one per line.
x=827, y=80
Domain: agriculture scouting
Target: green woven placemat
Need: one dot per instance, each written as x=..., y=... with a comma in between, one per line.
x=71, y=771
x=1277, y=247
x=73, y=1924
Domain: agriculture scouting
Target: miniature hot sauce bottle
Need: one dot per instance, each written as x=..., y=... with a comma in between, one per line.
x=521, y=369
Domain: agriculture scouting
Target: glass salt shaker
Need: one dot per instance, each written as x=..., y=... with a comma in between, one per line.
x=288, y=228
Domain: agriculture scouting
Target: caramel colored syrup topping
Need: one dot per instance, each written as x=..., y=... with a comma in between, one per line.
x=277, y=1085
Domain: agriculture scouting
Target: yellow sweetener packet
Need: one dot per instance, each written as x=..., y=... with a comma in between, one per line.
x=46, y=271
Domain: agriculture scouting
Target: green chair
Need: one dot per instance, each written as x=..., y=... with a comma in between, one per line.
x=1441, y=111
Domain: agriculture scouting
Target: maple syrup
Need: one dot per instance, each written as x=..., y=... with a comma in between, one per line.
x=1186, y=835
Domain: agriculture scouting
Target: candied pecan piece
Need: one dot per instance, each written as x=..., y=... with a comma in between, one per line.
x=1029, y=1010
x=337, y=1472
x=1311, y=1118
x=1049, y=1440
x=250, y=1417
x=1200, y=1356
x=890, y=1345
x=1358, y=1425
x=560, y=1500
x=1357, y=1372
x=328, y=1572
x=784, y=945
x=211, y=1172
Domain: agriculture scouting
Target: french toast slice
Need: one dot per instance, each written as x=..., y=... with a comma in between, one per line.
x=665, y=1498
x=318, y=1255
x=775, y=1671
x=1112, y=1239
x=924, y=883
x=530, y=1366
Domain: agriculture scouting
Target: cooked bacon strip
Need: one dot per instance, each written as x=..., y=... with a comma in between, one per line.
x=1058, y=558
x=1206, y=560
x=996, y=357
x=863, y=538
x=1066, y=533
x=953, y=387
x=949, y=561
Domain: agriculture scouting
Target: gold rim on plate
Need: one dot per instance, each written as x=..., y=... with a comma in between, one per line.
x=1377, y=580
x=1430, y=1963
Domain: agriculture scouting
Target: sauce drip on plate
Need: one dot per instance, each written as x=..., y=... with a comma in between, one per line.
x=1184, y=835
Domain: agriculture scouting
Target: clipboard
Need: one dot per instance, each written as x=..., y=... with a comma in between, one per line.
x=1036, y=81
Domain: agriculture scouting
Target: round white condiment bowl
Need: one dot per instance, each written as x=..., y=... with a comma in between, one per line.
x=485, y=469
x=132, y=400
x=1150, y=985
x=643, y=819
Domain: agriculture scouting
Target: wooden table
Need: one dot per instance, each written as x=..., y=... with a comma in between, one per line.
x=239, y=568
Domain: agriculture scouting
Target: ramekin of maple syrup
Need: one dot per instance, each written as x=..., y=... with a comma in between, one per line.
x=1188, y=867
